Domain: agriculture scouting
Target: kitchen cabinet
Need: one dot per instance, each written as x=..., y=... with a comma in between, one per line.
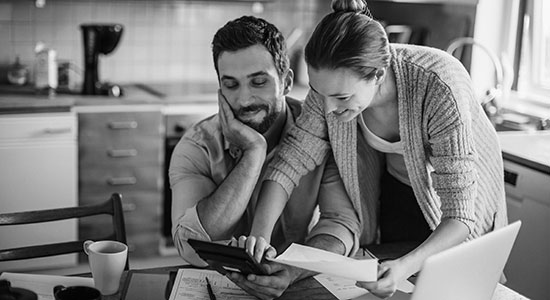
x=38, y=159
x=527, y=184
x=121, y=150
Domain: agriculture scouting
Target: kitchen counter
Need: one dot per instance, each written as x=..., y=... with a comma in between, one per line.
x=167, y=95
x=530, y=149
x=25, y=100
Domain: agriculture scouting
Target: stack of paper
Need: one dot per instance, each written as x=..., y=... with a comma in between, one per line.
x=190, y=284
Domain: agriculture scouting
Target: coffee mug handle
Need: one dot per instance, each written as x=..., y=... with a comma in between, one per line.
x=57, y=288
x=87, y=245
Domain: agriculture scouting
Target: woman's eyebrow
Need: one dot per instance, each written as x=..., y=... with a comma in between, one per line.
x=332, y=95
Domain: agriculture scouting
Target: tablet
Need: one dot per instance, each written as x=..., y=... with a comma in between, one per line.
x=225, y=258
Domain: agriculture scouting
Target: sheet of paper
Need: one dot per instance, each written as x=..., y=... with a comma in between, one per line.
x=326, y=262
x=43, y=285
x=343, y=288
x=190, y=284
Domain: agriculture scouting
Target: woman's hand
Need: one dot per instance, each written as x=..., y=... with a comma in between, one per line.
x=390, y=274
x=268, y=286
x=257, y=247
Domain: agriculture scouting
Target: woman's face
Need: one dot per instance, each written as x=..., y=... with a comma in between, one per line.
x=344, y=94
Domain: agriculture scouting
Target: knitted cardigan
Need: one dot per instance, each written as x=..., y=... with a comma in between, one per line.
x=451, y=150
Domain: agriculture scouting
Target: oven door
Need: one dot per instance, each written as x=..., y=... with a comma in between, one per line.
x=177, y=122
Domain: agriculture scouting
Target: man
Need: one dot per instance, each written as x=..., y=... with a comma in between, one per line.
x=217, y=167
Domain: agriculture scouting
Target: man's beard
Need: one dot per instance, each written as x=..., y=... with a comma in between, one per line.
x=263, y=126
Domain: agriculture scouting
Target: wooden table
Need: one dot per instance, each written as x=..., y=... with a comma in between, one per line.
x=306, y=289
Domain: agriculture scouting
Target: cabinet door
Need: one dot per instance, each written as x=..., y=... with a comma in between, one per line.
x=528, y=200
x=121, y=152
x=38, y=157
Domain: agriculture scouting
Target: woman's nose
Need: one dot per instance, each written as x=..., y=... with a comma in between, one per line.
x=330, y=106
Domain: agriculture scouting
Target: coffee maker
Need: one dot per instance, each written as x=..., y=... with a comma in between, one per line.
x=99, y=39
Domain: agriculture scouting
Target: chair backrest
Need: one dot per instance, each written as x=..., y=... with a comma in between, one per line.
x=112, y=207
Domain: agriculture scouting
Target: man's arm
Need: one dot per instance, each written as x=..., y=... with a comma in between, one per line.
x=337, y=231
x=200, y=208
x=220, y=212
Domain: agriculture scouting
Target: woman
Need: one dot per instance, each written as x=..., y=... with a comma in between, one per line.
x=419, y=159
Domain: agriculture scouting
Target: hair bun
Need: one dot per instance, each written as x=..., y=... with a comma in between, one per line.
x=357, y=6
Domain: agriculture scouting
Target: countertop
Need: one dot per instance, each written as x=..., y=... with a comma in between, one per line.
x=527, y=148
x=15, y=99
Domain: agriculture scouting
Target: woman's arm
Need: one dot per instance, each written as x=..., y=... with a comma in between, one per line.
x=304, y=148
x=271, y=202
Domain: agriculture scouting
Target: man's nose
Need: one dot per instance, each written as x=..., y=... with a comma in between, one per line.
x=245, y=96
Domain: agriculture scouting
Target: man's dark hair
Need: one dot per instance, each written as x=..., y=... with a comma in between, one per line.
x=248, y=31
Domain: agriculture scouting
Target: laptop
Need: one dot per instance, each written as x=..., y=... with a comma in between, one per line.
x=470, y=270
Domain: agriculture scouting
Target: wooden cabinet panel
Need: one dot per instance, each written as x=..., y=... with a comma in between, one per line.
x=120, y=124
x=122, y=152
x=105, y=179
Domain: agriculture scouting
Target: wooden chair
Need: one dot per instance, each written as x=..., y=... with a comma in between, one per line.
x=112, y=207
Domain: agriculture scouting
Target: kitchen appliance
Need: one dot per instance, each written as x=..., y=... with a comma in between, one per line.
x=178, y=120
x=99, y=39
x=526, y=158
x=33, y=147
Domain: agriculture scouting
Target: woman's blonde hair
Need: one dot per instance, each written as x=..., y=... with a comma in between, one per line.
x=349, y=38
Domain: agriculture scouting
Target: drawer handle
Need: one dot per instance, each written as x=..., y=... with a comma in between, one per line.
x=122, y=180
x=122, y=152
x=123, y=125
x=59, y=130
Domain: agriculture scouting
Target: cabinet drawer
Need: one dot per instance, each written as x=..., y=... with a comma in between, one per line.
x=118, y=124
x=100, y=180
x=138, y=152
x=38, y=127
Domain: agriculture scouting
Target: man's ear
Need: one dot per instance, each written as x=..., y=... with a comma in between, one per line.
x=380, y=75
x=288, y=82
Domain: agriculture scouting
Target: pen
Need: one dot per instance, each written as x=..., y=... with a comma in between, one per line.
x=210, y=291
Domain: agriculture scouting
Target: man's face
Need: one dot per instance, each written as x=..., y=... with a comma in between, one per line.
x=250, y=83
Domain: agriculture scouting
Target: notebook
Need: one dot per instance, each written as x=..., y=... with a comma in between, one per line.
x=468, y=271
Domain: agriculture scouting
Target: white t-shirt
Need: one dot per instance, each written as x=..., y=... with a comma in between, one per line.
x=395, y=162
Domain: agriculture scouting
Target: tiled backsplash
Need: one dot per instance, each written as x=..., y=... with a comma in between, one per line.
x=162, y=40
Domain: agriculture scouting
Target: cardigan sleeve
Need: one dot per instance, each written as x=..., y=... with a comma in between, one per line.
x=305, y=146
x=452, y=149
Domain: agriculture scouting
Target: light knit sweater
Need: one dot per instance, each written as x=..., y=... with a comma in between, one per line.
x=451, y=150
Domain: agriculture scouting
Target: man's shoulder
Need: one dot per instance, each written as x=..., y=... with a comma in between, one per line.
x=205, y=132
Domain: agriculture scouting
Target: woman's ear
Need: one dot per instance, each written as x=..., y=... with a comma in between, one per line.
x=288, y=81
x=380, y=75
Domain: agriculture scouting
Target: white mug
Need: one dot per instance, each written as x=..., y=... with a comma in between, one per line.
x=107, y=260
